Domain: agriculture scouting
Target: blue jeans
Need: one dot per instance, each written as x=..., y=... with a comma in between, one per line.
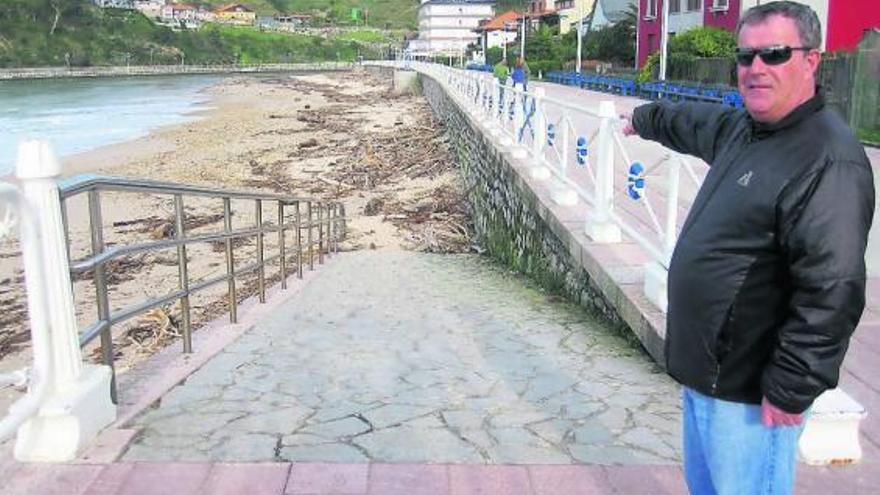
x=728, y=451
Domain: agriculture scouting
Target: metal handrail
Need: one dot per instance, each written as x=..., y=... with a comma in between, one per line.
x=327, y=217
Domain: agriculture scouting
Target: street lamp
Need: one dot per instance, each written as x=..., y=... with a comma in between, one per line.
x=664, y=38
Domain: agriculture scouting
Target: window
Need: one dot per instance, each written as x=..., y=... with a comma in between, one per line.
x=674, y=6
x=695, y=5
x=651, y=9
x=720, y=4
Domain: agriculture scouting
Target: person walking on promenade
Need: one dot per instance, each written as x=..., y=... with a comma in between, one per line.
x=520, y=74
x=767, y=281
x=501, y=72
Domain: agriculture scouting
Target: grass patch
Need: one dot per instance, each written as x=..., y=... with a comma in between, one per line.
x=364, y=36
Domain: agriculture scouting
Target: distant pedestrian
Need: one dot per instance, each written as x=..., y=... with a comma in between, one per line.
x=767, y=281
x=520, y=74
x=501, y=72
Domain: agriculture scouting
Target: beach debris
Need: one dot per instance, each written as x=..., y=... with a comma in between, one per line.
x=373, y=207
x=309, y=143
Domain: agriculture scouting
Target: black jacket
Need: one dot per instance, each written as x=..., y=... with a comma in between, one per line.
x=767, y=281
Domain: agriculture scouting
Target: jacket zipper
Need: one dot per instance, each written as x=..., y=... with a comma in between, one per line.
x=715, y=380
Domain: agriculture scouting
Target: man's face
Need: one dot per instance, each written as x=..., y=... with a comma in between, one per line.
x=771, y=92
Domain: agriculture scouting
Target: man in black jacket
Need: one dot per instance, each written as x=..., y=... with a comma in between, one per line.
x=767, y=281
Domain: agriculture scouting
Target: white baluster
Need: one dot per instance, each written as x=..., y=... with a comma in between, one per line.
x=600, y=227
x=78, y=405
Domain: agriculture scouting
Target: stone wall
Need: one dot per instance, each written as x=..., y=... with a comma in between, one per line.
x=517, y=227
x=512, y=224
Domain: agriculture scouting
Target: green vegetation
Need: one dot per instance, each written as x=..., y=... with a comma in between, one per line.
x=869, y=136
x=365, y=36
x=385, y=14
x=37, y=33
x=685, y=48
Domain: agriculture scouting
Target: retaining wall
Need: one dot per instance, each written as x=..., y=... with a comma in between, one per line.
x=516, y=223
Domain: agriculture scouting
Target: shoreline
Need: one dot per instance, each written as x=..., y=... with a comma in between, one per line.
x=339, y=136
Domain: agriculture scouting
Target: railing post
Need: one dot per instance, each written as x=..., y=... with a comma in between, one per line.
x=281, y=252
x=100, y=279
x=565, y=130
x=230, y=261
x=299, y=246
x=261, y=270
x=540, y=125
x=672, y=184
x=519, y=118
x=657, y=271
x=600, y=227
x=539, y=169
x=309, y=235
x=182, y=272
x=78, y=403
x=321, y=233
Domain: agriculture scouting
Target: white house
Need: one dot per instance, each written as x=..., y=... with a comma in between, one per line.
x=501, y=30
x=179, y=12
x=610, y=12
x=115, y=4
x=447, y=27
x=150, y=8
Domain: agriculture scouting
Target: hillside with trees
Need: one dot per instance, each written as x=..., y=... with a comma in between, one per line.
x=39, y=33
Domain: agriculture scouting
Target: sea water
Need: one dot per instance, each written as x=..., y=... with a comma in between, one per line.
x=78, y=115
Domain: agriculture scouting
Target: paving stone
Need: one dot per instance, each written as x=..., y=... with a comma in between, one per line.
x=603, y=454
x=404, y=444
x=388, y=415
x=408, y=479
x=519, y=417
x=330, y=452
x=475, y=344
x=193, y=424
x=179, y=396
x=251, y=479
x=570, y=480
x=463, y=419
x=165, y=478
x=489, y=480
x=519, y=446
x=340, y=479
x=645, y=439
x=592, y=434
x=553, y=431
x=345, y=427
x=282, y=421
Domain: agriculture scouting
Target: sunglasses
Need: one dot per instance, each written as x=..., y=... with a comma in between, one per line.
x=772, y=55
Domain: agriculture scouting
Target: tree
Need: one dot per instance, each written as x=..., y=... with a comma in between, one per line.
x=615, y=43
x=685, y=48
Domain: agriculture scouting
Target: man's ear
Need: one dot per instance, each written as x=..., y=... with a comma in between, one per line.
x=814, y=57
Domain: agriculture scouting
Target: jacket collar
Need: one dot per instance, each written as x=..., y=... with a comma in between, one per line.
x=761, y=130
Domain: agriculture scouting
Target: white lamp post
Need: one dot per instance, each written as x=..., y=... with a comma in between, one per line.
x=664, y=38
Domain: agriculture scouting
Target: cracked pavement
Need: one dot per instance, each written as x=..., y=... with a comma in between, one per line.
x=401, y=357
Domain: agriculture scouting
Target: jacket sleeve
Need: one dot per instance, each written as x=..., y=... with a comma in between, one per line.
x=823, y=226
x=698, y=129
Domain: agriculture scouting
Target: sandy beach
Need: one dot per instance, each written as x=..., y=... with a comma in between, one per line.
x=335, y=136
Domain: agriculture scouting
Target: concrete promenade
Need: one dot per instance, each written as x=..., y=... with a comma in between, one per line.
x=421, y=375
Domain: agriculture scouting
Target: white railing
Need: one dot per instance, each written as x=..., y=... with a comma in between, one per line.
x=583, y=149
x=68, y=401
x=831, y=434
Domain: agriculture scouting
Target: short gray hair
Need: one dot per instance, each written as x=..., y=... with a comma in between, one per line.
x=806, y=20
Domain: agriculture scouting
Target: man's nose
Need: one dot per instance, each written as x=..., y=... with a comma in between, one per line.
x=758, y=65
